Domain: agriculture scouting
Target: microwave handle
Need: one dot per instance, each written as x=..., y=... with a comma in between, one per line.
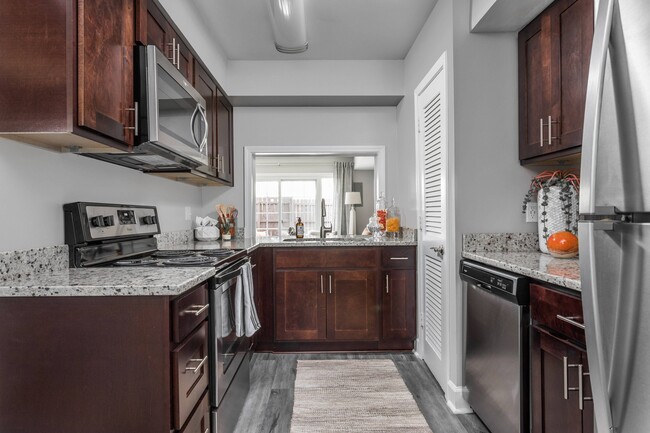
x=192, y=120
x=204, y=141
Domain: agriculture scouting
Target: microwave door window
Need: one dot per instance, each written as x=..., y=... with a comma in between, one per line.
x=176, y=109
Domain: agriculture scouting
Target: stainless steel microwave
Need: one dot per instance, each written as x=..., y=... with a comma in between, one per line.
x=172, y=127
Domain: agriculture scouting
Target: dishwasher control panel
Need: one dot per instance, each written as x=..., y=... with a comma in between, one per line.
x=495, y=280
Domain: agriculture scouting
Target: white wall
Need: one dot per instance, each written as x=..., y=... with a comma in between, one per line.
x=315, y=77
x=302, y=128
x=489, y=182
x=367, y=209
x=35, y=183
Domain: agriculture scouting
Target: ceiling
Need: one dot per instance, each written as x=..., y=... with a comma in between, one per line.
x=336, y=29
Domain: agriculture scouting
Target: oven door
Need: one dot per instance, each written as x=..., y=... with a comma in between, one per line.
x=227, y=350
x=176, y=117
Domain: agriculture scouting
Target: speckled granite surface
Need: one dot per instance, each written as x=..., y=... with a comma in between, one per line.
x=26, y=263
x=174, y=238
x=250, y=244
x=500, y=242
x=519, y=253
x=108, y=282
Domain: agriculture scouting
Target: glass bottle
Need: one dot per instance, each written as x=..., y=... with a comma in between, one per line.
x=393, y=218
x=380, y=211
x=300, y=229
x=373, y=227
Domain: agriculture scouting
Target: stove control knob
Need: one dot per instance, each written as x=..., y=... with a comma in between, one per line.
x=149, y=219
x=109, y=221
x=97, y=221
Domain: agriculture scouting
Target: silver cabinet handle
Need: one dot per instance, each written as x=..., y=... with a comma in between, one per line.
x=173, y=44
x=580, y=388
x=198, y=367
x=550, y=130
x=330, y=284
x=541, y=132
x=178, y=56
x=386, y=283
x=399, y=258
x=321, y=284
x=136, y=125
x=571, y=321
x=197, y=310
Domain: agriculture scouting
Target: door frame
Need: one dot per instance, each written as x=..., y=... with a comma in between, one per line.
x=453, y=332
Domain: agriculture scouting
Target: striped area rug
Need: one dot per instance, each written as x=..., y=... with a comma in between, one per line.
x=353, y=396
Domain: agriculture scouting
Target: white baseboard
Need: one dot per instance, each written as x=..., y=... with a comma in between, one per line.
x=456, y=399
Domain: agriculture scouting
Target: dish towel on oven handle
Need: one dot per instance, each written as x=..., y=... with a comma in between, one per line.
x=246, y=319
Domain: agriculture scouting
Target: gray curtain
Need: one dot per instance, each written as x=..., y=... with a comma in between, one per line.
x=342, y=184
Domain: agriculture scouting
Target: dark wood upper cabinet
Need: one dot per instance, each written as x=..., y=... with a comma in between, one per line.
x=105, y=67
x=554, y=53
x=161, y=33
x=225, y=141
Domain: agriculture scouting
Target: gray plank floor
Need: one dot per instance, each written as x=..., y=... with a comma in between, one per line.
x=270, y=402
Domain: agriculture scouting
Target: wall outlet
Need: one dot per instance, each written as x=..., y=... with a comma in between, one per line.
x=531, y=212
x=188, y=213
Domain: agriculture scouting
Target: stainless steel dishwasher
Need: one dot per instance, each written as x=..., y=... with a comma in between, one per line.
x=497, y=346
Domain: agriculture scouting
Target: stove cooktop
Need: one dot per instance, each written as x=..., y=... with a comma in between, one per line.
x=178, y=258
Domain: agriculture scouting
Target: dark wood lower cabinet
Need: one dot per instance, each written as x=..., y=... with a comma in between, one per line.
x=398, y=302
x=331, y=298
x=101, y=365
x=352, y=305
x=557, y=363
x=300, y=305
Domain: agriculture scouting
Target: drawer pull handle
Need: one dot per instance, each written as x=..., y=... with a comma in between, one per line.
x=197, y=310
x=386, y=283
x=198, y=367
x=571, y=321
x=399, y=258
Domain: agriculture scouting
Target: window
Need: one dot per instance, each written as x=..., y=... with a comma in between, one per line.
x=281, y=198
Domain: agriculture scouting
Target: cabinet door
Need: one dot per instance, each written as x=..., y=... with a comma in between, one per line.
x=162, y=34
x=224, y=138
x=572, y=29
x=398, y=306
x=300, y=303
x=105, y=67
x=206, y=86
x=184, y=58
x=534, y=86
x=552, y=413
x=352, y=305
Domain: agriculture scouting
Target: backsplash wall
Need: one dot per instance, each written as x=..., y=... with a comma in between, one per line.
x=35, y=183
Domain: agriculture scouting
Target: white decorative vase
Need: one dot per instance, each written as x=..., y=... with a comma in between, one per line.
x=552, y=205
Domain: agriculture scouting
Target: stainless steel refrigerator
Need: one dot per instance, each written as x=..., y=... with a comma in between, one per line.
x=614, y=229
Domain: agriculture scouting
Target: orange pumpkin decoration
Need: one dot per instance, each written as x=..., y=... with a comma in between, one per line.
x=563, y=245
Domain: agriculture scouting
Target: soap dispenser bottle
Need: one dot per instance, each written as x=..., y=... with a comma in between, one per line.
x=300, y=229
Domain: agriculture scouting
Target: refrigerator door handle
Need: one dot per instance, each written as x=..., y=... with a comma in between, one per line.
x=593, y=107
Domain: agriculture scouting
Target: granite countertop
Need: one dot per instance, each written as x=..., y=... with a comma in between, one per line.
x=107, y=282
x=251, y=244
x=518, y=253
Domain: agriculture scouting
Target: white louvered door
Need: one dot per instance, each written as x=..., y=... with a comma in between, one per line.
x=431, y=113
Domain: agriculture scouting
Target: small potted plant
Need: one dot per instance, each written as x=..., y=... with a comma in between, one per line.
x=557, y=203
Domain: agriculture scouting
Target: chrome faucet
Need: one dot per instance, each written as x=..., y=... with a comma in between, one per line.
x=323, y=229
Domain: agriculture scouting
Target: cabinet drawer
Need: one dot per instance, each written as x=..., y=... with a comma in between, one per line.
x=199, y=421
x=327, y=257
x=188, y=310
x=190, y=374
x=398, y=257
x=547, y=304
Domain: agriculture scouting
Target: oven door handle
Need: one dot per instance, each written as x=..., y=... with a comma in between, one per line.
x=230, y=272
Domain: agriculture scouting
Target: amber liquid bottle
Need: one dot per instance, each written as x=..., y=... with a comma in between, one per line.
x=300, y=229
